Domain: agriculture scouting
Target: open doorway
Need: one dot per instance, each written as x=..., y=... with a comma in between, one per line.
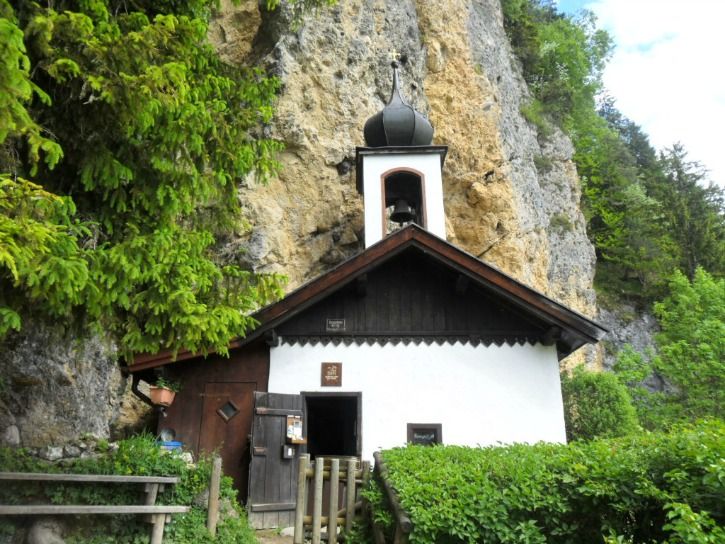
x=333, y=424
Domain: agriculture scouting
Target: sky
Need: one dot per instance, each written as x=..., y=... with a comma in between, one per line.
x=667, y=73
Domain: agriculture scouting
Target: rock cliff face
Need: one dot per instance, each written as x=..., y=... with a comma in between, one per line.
x=511, y=198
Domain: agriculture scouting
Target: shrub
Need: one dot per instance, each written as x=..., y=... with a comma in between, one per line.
x=596, y=405
x=652, y=487
x=690, y=356
x=139, y=456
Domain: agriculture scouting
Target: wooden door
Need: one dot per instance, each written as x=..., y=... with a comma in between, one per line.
x=225, y=426
x=272, y=479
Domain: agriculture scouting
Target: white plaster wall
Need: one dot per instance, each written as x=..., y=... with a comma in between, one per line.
x=374, y=166
x=481, y=395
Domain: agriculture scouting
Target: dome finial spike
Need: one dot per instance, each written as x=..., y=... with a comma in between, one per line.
x=398, y=124
x=396, y=84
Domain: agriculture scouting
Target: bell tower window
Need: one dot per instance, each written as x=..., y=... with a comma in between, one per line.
x=404, y=200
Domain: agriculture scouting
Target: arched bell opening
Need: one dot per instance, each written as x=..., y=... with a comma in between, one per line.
x=403, y=200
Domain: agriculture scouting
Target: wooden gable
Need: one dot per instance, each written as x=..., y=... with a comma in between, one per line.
x=414, y=297
x=527, y=311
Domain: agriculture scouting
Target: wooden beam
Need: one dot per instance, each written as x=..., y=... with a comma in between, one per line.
x=263, y=411
x=361, y=285
x=100, y=478
x=462, y=284
x=551, y=336
x=271, y=338
x=58, y=509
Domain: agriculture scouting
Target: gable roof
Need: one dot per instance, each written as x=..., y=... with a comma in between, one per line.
x=568, y=328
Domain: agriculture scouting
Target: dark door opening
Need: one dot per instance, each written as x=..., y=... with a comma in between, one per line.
x=333, y=424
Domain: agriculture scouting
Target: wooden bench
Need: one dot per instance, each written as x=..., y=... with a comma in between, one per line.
x=152, y=486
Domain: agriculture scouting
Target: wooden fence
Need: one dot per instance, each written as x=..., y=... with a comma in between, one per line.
x=403, y=525
x=343, y=484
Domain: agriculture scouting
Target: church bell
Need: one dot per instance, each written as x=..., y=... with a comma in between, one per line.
x=402, y=213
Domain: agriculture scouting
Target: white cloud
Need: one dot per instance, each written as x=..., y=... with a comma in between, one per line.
x=668, y=73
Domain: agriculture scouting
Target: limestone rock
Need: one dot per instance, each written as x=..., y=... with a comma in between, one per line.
x=51, y=453
x=11, y=436
x=58, y=387
x=45, y=531
x=627, y=325
x=511, y=197
x=71, y=451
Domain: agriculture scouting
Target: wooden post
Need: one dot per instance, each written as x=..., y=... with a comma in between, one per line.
x=157, y=531
x=300, y=507
x=213, y=512
x=334, y=490
x=317, y=505
x=365, y=473
x=152, y=491
x=400, y=537
x=350, y=495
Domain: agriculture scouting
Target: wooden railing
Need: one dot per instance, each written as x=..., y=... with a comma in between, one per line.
x=350, y=476
x=152, y=486
x=403, y=524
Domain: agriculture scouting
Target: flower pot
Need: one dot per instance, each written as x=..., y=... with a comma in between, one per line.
x=161, y=396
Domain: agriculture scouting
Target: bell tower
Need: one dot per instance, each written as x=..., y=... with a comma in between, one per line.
x=399, y=173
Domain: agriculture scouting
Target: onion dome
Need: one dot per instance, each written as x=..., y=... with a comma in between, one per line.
x=398, y=124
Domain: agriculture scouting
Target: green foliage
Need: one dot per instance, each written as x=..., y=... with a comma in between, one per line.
x=596, y=405
x=635, y=254
x=646, y=214
x=299, y=8
x=690, y=355
x=17, y=90
x=694, y=213
x=562, y=222
x=643, y=488
x=139, y=456
x=168, y=384
x=380, y=507
x=562, y=58
x=534, y=113
x=40, y=258
x=114, y=194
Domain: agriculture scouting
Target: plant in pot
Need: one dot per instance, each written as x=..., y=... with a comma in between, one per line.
x=164, y=391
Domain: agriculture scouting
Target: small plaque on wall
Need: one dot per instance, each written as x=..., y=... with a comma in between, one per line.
x=331, y=375
x=335, y=325
x=425, y=434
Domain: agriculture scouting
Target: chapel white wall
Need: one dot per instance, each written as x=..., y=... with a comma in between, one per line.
x=481, y=395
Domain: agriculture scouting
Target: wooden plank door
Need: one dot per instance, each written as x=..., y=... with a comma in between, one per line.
x=272, y=479
x=226, y=422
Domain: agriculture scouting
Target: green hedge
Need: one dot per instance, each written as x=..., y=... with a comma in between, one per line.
x=138, y=456
x=645, y=488
x=596, y=405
